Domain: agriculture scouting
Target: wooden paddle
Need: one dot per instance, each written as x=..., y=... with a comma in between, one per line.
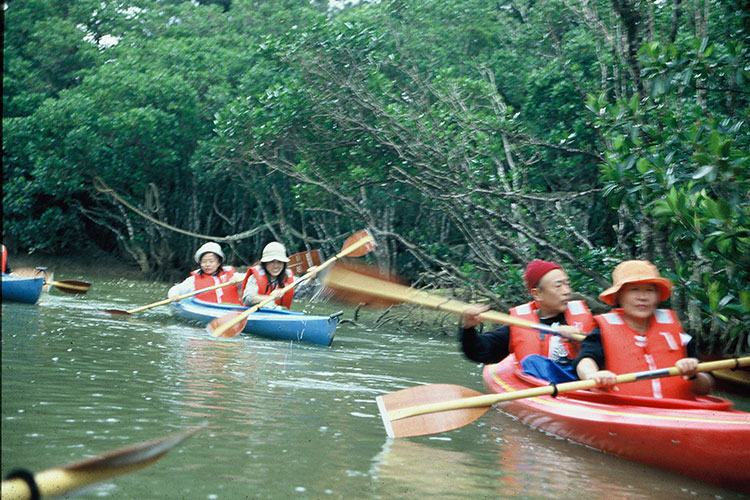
x=53, y=482
x=74, y=287
x=300, y=262
x=229, y=325
x=238, y=279
x=304, y=261
x=430, y=409
x=350, y=281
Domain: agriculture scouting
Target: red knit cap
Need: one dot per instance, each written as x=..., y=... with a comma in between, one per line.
x=535, y=270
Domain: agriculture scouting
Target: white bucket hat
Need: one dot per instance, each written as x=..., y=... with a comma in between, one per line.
x=209, y=247
x=274, y=251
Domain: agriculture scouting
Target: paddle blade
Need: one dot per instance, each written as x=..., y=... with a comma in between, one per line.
x=117, y=312
x=218, y=327
x=300, y=262
x=364, y=249
x=428, y=423
x=343, y=283
x=142, y=453
x=73, y=287
x=78, y=475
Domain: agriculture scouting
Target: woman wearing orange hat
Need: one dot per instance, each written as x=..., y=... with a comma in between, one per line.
x=636, y=336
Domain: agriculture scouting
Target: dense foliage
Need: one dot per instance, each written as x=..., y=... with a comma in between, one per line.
x=469, y=136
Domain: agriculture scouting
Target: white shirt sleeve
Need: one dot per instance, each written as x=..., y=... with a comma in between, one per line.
x=186, y=286
x=251, y=290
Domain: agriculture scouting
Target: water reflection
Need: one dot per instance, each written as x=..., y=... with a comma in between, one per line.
x=503, y=458
x=285, y=420
x=204, y=370
x=405, y=466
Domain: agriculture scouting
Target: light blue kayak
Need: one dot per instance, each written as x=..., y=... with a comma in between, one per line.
x=18, y=289
x=270, y=323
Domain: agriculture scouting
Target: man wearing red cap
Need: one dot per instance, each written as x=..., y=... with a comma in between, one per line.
x=549, y=286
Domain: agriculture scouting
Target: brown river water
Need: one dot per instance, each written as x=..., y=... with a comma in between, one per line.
x=283, y=420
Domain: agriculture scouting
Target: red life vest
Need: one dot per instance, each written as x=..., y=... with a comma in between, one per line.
x=525, y=341
x=261, y=278
x=626, y=351
x=227, y=294
x=5, y=257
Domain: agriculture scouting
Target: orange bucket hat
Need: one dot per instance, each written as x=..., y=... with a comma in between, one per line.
x=636, y=271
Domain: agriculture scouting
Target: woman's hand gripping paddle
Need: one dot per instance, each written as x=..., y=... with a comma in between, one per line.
x=302, y=262
x=430, y=409
x=164, y=302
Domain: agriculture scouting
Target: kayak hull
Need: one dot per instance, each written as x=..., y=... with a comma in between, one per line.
x=704, y=439
x=19, y=289
x=269, y=323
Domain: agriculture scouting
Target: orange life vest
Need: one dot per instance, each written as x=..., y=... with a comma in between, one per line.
x=227, y=294
x=626, y=351
x=525, y=341
x=261, y=278
x=5, y=257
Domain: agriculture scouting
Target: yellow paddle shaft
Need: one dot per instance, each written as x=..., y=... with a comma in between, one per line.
x=55, y=482
x=180, y=297
x=490, y=399
x=353, y=281
x=61, y=480
x=67, y=285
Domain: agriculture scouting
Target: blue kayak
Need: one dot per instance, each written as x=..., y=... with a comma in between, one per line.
x=18, y=289
x=270, y=323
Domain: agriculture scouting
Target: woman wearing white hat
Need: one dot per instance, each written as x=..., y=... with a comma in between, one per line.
x=636, y=336
x=271, y=274
x=210, y=258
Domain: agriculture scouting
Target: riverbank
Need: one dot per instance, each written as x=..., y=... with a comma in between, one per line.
x=78, y=267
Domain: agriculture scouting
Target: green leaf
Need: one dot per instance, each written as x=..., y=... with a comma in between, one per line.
x=745, y=300
x=715, y=143
x=724, y=210
x=726, y=300
x=662, y=209
x=643, y=165
x=703, y=172
x=712, y=293
x=697, y=249
x=703, y=159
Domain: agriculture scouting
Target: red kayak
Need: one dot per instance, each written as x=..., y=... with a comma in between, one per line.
x=705, y=439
